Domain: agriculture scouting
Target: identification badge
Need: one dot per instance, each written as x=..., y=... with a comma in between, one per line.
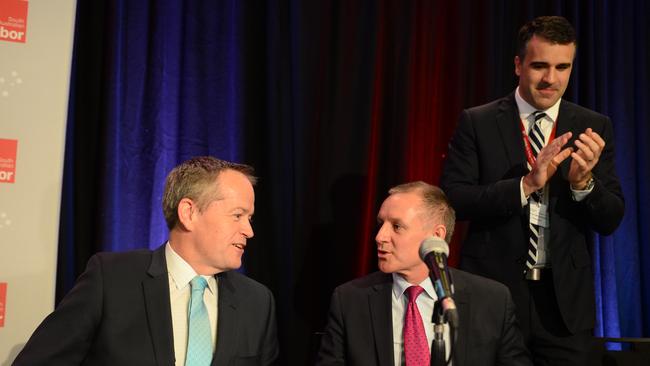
x=539, y=214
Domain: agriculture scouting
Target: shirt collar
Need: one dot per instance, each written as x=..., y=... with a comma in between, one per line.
x=181, y=272
x=400, y=285
x=525, y=109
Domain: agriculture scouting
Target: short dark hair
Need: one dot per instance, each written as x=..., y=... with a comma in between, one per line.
x=435, y=203
x=195, y=179
x=555, y=29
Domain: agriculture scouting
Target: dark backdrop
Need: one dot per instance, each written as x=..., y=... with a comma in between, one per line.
x=333, y=102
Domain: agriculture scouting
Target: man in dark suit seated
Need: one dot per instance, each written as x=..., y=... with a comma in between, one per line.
x=384, y=318
x=181, y=304
x=532, y=202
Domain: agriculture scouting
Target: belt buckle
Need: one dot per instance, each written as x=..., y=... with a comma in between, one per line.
x=534, y=274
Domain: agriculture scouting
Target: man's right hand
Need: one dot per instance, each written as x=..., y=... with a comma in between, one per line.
x=546, y=165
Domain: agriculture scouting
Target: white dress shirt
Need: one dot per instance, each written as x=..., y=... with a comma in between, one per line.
x=526, y=115
x=180, y=274
x=425, y=304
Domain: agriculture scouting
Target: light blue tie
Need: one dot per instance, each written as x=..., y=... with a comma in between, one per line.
x=199, y=340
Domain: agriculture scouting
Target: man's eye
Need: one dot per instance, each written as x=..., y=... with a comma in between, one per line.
x=396, y=227
x=238, y=216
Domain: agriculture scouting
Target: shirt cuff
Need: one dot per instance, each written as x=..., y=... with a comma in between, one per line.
x=580, y=195
x=522, y=196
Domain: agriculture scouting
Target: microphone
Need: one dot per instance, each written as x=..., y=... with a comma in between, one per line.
x=434, y=252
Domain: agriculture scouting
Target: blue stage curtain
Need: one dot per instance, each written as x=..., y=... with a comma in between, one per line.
x=332, y=102
x=611, y=76
x=173, y=92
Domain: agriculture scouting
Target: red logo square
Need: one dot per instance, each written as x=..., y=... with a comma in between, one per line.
x=8, y=150
x=13, y=21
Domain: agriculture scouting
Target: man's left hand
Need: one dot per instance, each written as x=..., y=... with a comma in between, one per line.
x=589, y=146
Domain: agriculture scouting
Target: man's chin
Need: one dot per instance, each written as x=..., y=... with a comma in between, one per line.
x=543, y=102
x=384, y=267
x=234, y=266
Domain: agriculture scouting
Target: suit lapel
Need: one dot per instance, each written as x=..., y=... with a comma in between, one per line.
x=508, y=124
x=158, y=308
x=379, y=300
x=226, y=320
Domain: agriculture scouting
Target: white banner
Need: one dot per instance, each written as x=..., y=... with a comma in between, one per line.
x=36, y=39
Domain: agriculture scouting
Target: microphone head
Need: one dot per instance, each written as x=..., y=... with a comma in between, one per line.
x=433, y=244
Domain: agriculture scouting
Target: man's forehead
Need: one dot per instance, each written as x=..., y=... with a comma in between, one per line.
x=232, y=181
x=539, y=48
x=536, y=38
x=399, y=205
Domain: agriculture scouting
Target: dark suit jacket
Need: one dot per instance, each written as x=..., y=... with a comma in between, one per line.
x=359, y=330
x=119, y=313
x=481, y=177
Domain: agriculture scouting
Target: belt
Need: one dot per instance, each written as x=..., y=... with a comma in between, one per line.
x=536, y=274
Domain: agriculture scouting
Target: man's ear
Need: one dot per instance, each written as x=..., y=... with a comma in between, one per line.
x=440, y=231
x=518, y=66
x=187, y=211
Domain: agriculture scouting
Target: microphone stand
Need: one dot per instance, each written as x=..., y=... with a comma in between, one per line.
x=438, y=348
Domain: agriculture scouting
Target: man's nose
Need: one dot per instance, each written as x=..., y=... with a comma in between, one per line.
x=381, y=234
x=247, y=230
x=550, y=76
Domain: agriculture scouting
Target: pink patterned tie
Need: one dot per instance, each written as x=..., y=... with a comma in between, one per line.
x=416, y=347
